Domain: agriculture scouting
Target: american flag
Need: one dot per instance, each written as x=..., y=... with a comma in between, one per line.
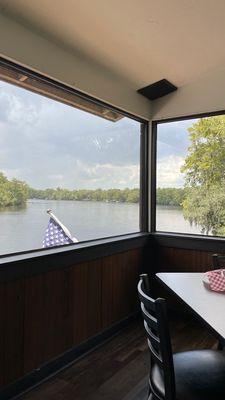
x=56, y=233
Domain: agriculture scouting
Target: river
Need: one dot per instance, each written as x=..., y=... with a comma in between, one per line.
x=24, y=229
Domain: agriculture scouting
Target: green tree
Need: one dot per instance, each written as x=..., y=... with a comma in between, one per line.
x=170, y=196
x=12, y=193
x=112, y=195
x=19, y=192
x=204, y=170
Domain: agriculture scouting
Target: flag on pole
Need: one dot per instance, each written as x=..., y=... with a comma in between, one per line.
x=56, y=233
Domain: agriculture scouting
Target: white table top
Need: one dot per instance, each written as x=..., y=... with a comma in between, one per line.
x=208, y=305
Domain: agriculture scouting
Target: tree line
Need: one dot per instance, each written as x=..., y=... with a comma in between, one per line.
x=171, y=196
x=16, y=193
x=110, y=195
x=165, y=196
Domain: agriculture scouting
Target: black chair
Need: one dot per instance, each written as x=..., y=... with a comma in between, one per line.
x=218, y=261
x=192, y=375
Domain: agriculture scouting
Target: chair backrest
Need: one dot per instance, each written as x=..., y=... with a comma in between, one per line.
x=218, y=261
x=156, y=325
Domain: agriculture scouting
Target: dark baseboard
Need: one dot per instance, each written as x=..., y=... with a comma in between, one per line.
x=18, y=388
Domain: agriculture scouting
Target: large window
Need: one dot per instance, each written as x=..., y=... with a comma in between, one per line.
x=79, y=159
x=190, y=176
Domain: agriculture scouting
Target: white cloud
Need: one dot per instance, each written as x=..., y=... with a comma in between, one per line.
x=168, y=171
x=13, y=173
x=48, y=144
x=104, y=176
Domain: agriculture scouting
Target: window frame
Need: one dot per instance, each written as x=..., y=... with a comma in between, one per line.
x=133, y=237
x=175, y=239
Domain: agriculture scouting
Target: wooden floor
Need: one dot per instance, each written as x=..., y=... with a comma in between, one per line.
x=118, y=369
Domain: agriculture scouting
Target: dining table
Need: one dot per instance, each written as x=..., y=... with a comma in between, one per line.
x=207, y=305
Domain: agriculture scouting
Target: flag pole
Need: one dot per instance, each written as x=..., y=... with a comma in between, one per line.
x=65, y=230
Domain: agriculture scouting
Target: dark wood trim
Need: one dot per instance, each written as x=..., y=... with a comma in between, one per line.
x=189, y=242
x=40, y=261
x=18, y=388
x=144, y=178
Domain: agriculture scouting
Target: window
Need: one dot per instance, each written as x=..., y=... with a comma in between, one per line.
x=63, y=152
x=190, y=176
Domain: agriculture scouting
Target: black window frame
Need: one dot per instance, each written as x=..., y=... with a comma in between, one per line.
x=117, y=241
x=175, y=239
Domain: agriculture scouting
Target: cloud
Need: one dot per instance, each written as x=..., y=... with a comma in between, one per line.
x=48, y=144
x=168, y=172
x=172, y=148
x=173, y=138
x=108, y=175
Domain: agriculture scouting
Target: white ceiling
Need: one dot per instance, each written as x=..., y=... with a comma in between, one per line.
x=143, y=41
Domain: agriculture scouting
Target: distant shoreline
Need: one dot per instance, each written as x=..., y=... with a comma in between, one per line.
x=16, y=193
x=107, y=201
x=165, y=196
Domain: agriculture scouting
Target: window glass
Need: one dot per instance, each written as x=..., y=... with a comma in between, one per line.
x=190, y=193
x=84, y=167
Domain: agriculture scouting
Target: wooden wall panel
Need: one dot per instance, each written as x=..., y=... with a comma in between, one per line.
x=171, y=259
x=62, y=309
x=11, y=331
x=47, y=317
x=183, y=260
x=119, y=285
x=86, y=300
x=43, y=316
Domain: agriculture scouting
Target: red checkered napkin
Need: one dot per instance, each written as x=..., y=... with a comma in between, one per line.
x=217, y=280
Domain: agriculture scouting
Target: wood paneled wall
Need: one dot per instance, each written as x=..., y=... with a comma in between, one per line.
x=43, y=316
x=182, y=260
x=172, y=259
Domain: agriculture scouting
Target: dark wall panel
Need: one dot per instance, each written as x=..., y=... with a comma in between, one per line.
x=11, y=331
x=43, y=316
x=47, y=317
x=86, y=300
x=183, y=260
x=172, y=259
x=119, y=282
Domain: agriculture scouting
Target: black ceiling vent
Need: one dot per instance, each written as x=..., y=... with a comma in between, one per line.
x=157, y=89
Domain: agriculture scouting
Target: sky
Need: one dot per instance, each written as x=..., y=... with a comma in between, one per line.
x=172, y=148
x=49, y=144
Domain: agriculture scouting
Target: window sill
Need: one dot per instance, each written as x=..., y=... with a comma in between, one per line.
x=189, y=242
x=35, y=262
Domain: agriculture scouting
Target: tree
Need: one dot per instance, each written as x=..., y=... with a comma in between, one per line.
x=12, y=193
x=205, y=163
x=19, y=192
x=170, y=196
x=205, y=207
x=204, y=170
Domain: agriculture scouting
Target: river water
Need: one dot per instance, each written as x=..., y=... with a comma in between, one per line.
x=24, y=229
